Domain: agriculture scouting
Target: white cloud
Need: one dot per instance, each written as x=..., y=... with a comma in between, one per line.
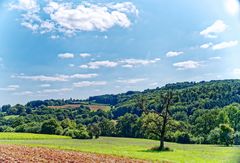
x=69, y=18
x=45, y=85
x=27, y=5
x=132, y=81
x=89, y=83
x=127, y=66
x=24, y=93
x=84, y=55
x=215, y=58
x=217, y=27
x=33, y=27
x=66, y=55
x=224, y=45
x=173, y=53
x=98, y=64
x=10, y=88
x=71, y=65
x=60, y=78
x=187, y=65
x=206, y=46
x=55, y=90
x=127, y=63
x=54, y=37
x=232, y=7
x=134, y=62
x=153, y=84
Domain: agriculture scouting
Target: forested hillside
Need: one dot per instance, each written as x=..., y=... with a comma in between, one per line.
x=191, y=96
x=204, y=112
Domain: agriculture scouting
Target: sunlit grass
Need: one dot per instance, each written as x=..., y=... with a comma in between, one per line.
x=28, y=136
x=139, y=148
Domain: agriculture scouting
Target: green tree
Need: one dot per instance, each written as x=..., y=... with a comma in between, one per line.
x=226, y=134
x=222, y=118
x=51, y=127
x=94, y=130
x=107, y=127
x=126, y=125
x=214, y=136
x=162, y=114
x=67, y=123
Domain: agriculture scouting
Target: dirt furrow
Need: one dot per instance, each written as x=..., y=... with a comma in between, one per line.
x=15, y=153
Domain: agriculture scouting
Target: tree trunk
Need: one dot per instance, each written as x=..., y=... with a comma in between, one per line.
x=165, y=119
x=161, y=148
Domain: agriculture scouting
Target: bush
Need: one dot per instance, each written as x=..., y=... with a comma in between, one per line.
x=29, y=128
x=226, y=134
x=197, y=140
x=6, y=129
x=237, y=138
x=214, y=136
x=80, y=134
x=68, y=132
x=51, y=127
x=183, y=138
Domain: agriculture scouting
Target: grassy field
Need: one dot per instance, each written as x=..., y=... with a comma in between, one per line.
x=133, y=148
x=28, y=136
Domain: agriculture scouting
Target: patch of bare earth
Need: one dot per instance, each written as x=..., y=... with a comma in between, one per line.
x=14, y=153
x=75, y=106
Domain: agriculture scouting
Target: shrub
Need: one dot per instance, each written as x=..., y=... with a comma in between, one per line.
x=183, y=138
x=226, y=134
x=6, y=129
x=68, y=132
x=80, y=134
x=51, y=127
x=29, y=128
x=237, y=138
x=214, y=136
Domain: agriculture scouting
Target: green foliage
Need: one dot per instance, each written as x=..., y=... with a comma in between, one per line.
x=226, y=134
x=126, y=126
x=67, y=123
x=51, y=127
x=107, y=127
x=183, y=138
x=214, y=136
x=81, y=133
x=94, y=130
x=198, y=109
x=237, y=138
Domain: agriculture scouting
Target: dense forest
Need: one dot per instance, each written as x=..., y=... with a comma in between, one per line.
x=201, y=112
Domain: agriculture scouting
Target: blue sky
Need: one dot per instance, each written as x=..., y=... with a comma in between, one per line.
x=63, y=48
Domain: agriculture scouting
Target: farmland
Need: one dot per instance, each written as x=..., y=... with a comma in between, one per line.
x=92, y=107
x=132, y=148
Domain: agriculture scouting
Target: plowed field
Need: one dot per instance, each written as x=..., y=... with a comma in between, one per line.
x=14, y=153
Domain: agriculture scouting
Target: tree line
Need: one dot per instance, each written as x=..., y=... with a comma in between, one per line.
x=204, y=113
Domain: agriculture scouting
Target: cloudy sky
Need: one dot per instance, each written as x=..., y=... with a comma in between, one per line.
x=73, y=48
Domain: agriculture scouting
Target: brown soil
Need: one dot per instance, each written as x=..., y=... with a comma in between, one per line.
x=74, y=106
x=20, y=154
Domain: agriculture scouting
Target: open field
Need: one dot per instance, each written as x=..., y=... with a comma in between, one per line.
x=92, y=107
x=28, y=136
x=14, y=153
x=138, y=149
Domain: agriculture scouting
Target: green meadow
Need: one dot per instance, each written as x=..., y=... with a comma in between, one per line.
x=129, y=147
